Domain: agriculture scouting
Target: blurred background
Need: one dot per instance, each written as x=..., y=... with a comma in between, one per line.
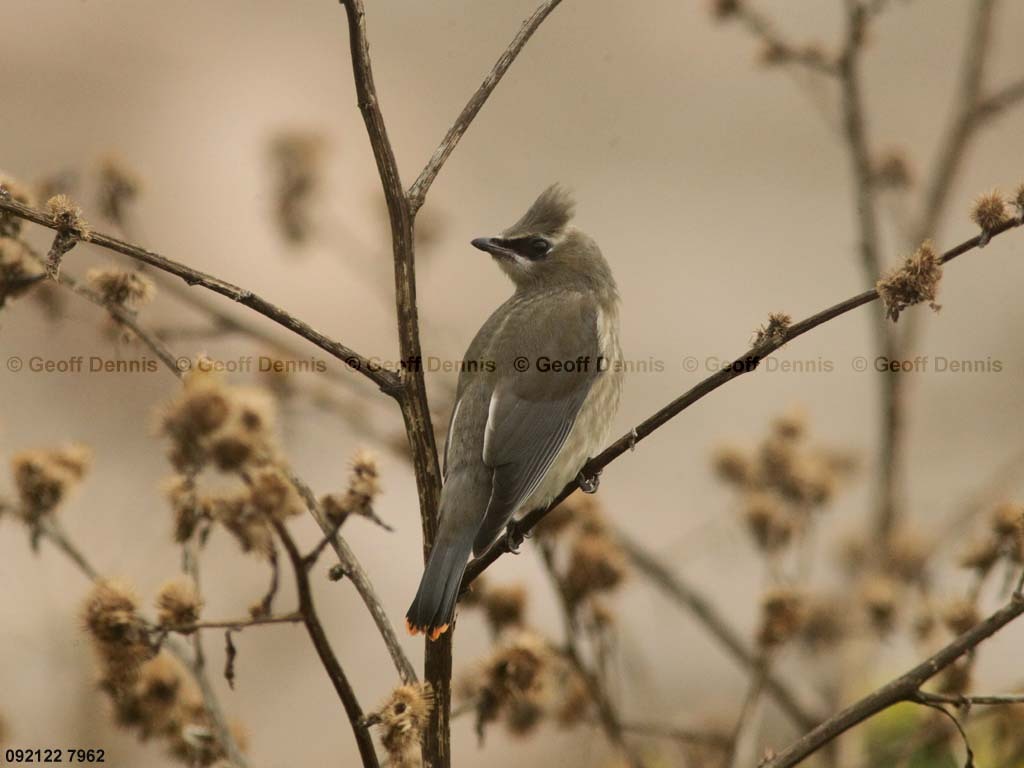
x=718, y=189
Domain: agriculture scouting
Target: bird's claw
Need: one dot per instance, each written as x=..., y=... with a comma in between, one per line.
x=588, y=483
x=513, y=538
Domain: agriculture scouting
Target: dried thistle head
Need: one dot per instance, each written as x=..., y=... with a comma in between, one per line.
x=178, y=602
x=1018, y=201
x=825, y=623
x=181, y=494
x=273, y=494
x=774, y=331
x=151, y=704
x=878, y=595
x=596, y=564
x=782, y=614
x=960, y=615
x=402, y=719
x=68, y=216
x=915, y=282
x=121, y=287
x=297, y=159
x=893, y=171
x=734, y=465
x=769, y=520
x=12, y=189
x=43, y=477
x=906, y=555
x=725, y=9
x=119, y=186
x=363, y=489
x=989, y=211
x=1007, y=520
x=118, y=632
x=791, y=424
x=981, y=554
x=18, y=273
x=236, y=512
x=504, y=606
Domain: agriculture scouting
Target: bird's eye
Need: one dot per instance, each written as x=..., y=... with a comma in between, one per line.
x=539, y=247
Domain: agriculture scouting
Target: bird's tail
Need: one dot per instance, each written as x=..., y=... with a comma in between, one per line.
x=433, y=608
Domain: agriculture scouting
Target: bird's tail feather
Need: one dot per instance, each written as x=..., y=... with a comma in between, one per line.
x=433, y=608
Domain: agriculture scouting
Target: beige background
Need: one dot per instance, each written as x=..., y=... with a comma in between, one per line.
x=715, y=189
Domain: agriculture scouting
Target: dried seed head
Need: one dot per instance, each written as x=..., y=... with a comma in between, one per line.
x=273, y=494
x=774, y=331
x=892, y=170
x=297, y=159
x=1008, y=520
x=12, y=189
x=989, y=211
x=504, y=606
x=596, y=564
x=724, y=9
x=791, y=425
x=402, y=719
x=825, y=623
x=119, y=635
x=768, y=520
x=68, y=216
x=782, y=614
x=363, y=489
x=734, y=465
x=915, y=282
x=878, y=595
x=178, y=603
x=119, y=185
x=981, y=554
x=18, y=273
x=43, y=478
x=574, y=699
x=121, y=287
x=960, y=615
x=907, y=555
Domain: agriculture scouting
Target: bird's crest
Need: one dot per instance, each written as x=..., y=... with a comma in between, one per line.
x=549, y=214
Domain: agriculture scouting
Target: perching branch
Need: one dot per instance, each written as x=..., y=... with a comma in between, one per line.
x=418, y=191
x=387, y=381
x=746, y=363
x=903, y=688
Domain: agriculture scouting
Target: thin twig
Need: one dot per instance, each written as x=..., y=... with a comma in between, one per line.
x=387, y=381
x=903, y=688
x=323, y=649
x=418, y=191
x=234, y=624
x=745, y=363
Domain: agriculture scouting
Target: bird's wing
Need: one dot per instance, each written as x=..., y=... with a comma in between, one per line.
x=532, y=411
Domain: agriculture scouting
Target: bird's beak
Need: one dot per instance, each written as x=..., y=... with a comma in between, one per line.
x=494, y=246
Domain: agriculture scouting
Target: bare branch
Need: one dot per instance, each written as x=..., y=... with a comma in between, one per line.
x=387, y=381
x=903, y=688
x=746, y=363
x=418, y=191
x=323, y=649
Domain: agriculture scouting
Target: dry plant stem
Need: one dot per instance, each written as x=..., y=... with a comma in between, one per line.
x=685, y=595
x=413, y=398
x=360, y=580
x=607, y=715
x=323, y=649
x=855, y=132
x=744, y=734
x=387, y=381
x=51, y=530
x=903, y=688
x=962, y=701
x=419, y=189
x=745, y=363
x=235, y=624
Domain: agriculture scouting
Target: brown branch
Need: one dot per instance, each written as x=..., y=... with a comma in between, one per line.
x=996, y=102
x=689, y=598
x=233, y=624
x=418, y=191
x=744, y=364
x=388, y=382
x=903, y=688
x=413, y=398
x=323, y=649
x=353, y=569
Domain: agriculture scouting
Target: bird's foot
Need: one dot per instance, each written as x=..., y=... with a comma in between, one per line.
x=513, y=537
x=588, y=483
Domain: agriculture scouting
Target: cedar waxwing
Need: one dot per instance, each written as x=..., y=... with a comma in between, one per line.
x=537, y=391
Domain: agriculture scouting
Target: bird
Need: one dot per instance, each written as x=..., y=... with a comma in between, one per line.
x=537, y=390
